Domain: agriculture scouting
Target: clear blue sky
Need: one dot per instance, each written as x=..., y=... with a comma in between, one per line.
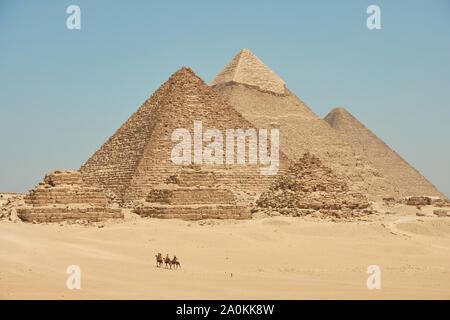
x=64, y=92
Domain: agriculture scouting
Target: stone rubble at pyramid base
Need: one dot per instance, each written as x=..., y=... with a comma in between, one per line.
x=63, y=196
x=441, y=213
x=417, y=201
x=9, y=205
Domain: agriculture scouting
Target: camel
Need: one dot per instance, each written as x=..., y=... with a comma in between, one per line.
x=167, y=261
x=175, y=262
x=159, y=260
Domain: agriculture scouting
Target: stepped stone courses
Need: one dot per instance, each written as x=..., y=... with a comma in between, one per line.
x=310, y=187
x=64, y=196
x=179, y=198
x=301, y=130
x=137, y=158
x=403, y=176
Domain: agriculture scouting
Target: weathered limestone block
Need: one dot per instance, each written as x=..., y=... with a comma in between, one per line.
x=418, y=201
x=59, y=177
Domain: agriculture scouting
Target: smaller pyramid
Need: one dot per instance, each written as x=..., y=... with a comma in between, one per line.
x=247, y=69
x=192, y=194
x=399, y=172
x=64, y=196
x=311, y=187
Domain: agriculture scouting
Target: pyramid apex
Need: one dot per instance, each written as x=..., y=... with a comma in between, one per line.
x=245, y=68
x=338, y=113
x=339, y=110
x=245, y=50
x=183, y=70
x=184, y=74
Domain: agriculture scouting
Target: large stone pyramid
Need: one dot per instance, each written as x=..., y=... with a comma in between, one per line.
x=137, y=158
x=407, y=179
x=261, y=97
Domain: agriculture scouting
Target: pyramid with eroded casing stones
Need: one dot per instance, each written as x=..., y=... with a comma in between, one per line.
x=261, y=97
x=137, y=158
x=407, y=179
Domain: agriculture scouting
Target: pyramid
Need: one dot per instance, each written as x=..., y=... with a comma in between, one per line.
x=193, y=194
x=260, y=100
x=137, y=158
x=310, y=187
x=407, y=179
x=64, y=196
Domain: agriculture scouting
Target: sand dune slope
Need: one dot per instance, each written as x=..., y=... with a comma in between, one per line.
x=273, y=258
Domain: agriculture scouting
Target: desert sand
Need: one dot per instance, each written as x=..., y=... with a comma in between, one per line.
x=273, y=257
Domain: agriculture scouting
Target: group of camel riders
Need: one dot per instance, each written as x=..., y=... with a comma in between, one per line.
x=169, y=262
